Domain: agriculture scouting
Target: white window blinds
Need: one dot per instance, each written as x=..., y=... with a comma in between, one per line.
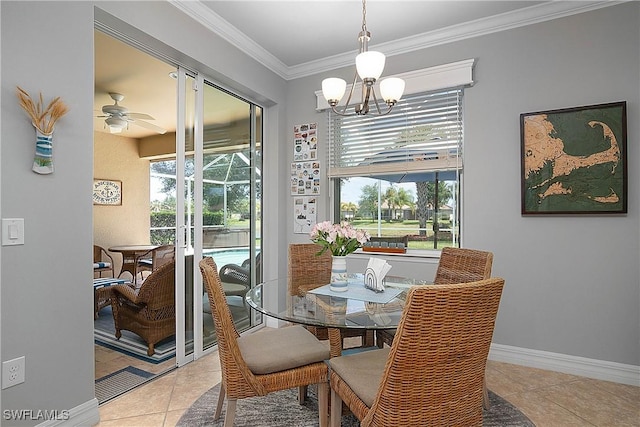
x=422, y=135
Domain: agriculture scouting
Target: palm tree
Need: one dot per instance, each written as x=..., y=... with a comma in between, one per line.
x=397, y=198
x=349, y=207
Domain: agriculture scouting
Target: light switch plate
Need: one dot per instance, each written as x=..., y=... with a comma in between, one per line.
x=12, y=231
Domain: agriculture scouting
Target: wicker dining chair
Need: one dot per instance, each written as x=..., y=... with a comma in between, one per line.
x=456, y=265
x=155, y=258
x=432, y=375
x=307, y=271
x=148, y=311
x=263, y=362
x=102, y=261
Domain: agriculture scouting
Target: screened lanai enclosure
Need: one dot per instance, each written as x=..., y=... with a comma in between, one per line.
x=226, y=200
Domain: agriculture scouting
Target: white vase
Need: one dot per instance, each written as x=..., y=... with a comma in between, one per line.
x=338, y=274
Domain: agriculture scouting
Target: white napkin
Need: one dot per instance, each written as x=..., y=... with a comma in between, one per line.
x=374, y=275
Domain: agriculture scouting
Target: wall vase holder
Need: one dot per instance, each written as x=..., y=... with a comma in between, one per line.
x=43, y=159
x=338, y=274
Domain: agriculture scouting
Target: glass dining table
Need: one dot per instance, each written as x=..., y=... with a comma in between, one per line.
x=357, y=308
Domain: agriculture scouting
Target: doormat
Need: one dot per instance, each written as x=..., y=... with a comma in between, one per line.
x=116, y=383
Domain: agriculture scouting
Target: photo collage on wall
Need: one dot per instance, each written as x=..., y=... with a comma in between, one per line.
x=304, y=210
x=305, y=142
x=305, y=176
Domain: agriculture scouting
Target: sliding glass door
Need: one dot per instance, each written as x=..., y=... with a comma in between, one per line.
x=218, y=162
x=230, y=164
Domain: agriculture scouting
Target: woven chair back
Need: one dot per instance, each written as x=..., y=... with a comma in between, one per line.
x=307, y=270
x=435, y=369
x=97, y=253
x=162, y=255
x=460, y=265
x=100, y=254
x=238, y=380
x=158, y=290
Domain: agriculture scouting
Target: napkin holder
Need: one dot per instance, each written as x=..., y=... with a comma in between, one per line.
x=372, y=281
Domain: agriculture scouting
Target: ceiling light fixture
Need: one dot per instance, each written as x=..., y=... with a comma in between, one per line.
x=369, y=66
x=116, y=124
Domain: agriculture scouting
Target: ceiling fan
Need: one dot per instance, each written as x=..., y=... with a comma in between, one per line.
x=118, y=117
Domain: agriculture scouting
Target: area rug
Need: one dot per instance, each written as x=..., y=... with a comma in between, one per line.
x=104, y=333
x=282, y=409
x=119, y=382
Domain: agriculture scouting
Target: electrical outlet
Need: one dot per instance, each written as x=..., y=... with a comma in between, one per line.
x=12, y=372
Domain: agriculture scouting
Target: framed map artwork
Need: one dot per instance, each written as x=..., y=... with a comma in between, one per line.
x=574, y=160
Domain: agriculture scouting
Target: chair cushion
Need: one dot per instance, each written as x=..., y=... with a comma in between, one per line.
x=101, y=265
x=362, y=371
x=275, y=350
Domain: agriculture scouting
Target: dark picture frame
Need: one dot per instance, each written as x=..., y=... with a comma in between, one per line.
x=107, y=192
x=574, y=160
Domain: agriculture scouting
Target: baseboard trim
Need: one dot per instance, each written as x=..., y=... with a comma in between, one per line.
x=575, y=365
x=86, y=414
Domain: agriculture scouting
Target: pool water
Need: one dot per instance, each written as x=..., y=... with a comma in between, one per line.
x=226, y=256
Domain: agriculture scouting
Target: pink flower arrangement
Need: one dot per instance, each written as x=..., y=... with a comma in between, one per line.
x=341, y=239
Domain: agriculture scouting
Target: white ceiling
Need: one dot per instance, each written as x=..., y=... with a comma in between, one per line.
x=297, y=32
x=303, y=37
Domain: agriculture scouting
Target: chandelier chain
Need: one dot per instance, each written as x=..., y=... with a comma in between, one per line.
x=364, y=17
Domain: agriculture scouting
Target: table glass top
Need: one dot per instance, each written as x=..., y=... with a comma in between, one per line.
x=348, y=310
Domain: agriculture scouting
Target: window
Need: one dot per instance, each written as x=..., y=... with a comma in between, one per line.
x=399, y=175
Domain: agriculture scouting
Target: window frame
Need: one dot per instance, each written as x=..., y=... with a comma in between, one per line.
x=446, y=76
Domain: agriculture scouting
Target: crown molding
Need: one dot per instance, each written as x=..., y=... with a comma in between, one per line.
x=218, y=25
x=505, y=21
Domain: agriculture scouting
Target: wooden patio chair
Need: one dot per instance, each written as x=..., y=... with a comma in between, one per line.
x=102, y=261
x=308, y=271
x=148, y=311
x=432, y=375
x=263, y=362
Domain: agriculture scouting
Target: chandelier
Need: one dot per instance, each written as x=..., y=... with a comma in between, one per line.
x=369, y=66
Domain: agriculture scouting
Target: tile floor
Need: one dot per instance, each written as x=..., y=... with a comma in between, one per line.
x=547, y=398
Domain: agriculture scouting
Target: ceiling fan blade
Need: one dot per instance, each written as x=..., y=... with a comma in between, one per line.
x=142, y=116
x=149, y=126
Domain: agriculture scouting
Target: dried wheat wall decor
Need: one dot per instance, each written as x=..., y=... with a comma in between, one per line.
x=44, y=120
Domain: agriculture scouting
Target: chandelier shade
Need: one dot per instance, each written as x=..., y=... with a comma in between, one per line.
x=334, y=88
x=391, y=89
x=369, y=67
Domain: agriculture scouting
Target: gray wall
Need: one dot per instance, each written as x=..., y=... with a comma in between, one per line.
x=572, y=282
x=46, y=296
x=45, y=293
